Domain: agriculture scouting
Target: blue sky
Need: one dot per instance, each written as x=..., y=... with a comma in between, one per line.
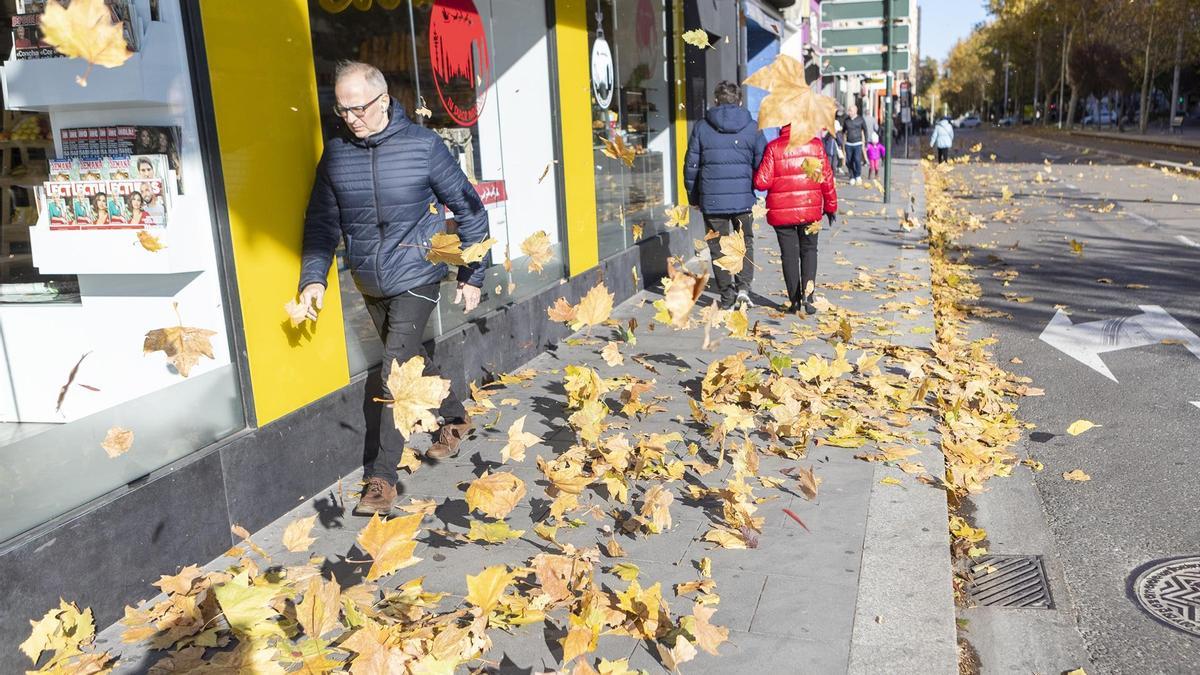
x=943, y=22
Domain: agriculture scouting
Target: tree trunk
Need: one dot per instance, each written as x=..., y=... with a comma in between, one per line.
x=1062, y=76
x=1144, y=112
x=1175, y=79
x=1071, y=80
x=1037, y=73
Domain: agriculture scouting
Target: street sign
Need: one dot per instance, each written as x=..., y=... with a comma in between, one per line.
x=842, y=64
x=853, y=37
x=1085, y=342
x=846, y=10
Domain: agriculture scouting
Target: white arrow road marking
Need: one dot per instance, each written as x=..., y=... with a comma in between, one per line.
x=1187, y=241
x=1085, y=342
x=1195, y=403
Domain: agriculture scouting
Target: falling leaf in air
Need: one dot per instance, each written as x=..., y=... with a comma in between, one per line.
x=296, y=535
x=182, y=345
x=519, y=441
x=475, y=252
x=791, y=101
x=422, y=110
x=1079, y=426
x=733, y=249
x=561, y=311
x=806, y=479
x=679, y=216
x=390, y=543
x=1077, y=475
x=495, y=495
x=150, y=242
x=617, y=149
x=85, y=30
x=812, y=168
x=537, y=247
x=697, y=37
x=638, y=230
x=297, y=313
x=682, y=291
x=595, y=307
x=117, y=441
x=546, y=171
x=415, y=396
x=445, y=248
x=612, y=354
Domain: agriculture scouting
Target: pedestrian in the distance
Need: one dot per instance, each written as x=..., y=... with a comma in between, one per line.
x=856, y=135
x=832, y=151
x=375, y=187
x=724, y=150
x=942, y=139
x=800, y=191
x=875, y=153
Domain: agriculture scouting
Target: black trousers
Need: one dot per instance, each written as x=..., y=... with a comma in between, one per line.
x=400, y=321
x=728, y=284
x=799, y=253
x=943, y=154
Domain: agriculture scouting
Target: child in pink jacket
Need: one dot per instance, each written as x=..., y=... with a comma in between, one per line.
x=875, y=153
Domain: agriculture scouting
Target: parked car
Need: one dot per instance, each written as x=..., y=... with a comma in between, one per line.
x=1006, y=122
x=968, y=121
x=1105, y=117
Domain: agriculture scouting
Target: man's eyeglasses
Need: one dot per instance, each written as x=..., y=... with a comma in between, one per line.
x=358, y=110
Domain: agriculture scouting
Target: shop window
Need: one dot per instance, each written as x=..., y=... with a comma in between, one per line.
x=480, y=68
x=631, y=100
x=73, y=370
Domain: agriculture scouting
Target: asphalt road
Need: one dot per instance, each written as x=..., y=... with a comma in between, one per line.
x=1140, y=235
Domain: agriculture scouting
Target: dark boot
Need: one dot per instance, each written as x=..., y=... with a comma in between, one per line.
x=809, y=307
x=378, y=496
x=449, y=438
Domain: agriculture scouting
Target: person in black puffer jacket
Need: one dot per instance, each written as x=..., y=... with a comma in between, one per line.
x=722, y=154
x=378, y=187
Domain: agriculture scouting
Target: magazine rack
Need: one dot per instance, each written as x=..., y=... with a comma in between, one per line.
x=145, y=79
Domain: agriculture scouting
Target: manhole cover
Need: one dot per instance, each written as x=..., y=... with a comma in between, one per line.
x=1170, y=592
x=1009, y=581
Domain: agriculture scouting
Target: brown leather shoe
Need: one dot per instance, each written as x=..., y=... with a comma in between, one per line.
x=449, y=437
x=378, y=496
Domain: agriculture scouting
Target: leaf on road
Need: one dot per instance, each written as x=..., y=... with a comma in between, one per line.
x=626, y=571
x=612, y=354
x=296, y=535
x=495, y=494
x=519, y=440
x=415, y=396
x=484, y=589
x=117, y=441
x=390, y=543
x=1079, y=426
x=1077, y=475
x=806, y=479
x=682, y=652
x=318, y=612
x=493, y=533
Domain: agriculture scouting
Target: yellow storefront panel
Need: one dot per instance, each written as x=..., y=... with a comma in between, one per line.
x=579, y=172
x=681, y=130
x=265, y=103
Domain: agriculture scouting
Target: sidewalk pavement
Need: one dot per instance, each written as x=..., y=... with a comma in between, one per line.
x=866, y=588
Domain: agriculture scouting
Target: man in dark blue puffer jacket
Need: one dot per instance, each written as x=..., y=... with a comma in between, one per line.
x=379, y=186
x=722, y=155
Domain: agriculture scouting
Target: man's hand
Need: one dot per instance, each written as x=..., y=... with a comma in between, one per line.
x=313, y=298
x=832, y=218
x=467, y=296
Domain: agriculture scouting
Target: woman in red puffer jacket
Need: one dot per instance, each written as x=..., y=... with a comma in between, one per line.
x=800, y=191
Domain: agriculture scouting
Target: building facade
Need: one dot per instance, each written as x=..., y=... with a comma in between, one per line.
x=230, y=104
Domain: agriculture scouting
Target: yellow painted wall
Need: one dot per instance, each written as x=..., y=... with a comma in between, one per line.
x=265, y=99
x=681, y=130
x=575, y=107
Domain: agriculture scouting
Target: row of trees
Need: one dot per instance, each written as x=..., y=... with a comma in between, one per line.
x=1072, y=49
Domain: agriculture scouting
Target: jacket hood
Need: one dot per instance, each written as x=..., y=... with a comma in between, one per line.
x=729, y=119
x=397, y=121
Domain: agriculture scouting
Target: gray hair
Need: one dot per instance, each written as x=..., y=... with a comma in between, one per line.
x=370, y=74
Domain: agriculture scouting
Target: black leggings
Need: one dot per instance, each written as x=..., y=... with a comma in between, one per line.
x=799, y=252
x=943, y=154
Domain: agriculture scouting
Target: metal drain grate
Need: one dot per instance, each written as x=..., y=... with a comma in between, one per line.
x=1010, y=581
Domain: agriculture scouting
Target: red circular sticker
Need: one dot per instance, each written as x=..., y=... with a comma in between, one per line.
x=458, y=50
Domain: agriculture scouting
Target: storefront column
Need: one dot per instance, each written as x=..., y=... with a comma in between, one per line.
x=575, y=119
x=265, y=104
x=681, y=128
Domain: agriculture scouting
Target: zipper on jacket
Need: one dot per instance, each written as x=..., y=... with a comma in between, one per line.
x=378, y=216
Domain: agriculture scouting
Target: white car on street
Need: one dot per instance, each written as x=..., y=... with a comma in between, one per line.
x=968, y=121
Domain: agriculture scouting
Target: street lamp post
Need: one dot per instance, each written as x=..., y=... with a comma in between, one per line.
x=887, y=108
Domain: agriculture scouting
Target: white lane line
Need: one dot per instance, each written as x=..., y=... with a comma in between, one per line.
x=1187, y=241
x=1142, y=219
x=1195, y=403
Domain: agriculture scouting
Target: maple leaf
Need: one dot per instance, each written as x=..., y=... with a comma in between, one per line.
x=415, y=396
x=445, y=248
x=318, y=612
x=475, y=252
x=617, y=667
x=682, y=652
x=790, y=101
x=484, y=589
x=733, y=246
x=495, y=494
x=561, y=311
x=697, y=37
x=117, y=441
x=519, y=440
x=63, y=630
x=626, y=571
x=180, y=583
x=150, y=242
x=537, y=247
x=708, y=637
x=682, y=290
x=183, y=346
x=638, y=230
x=492, y=533
x=595, y=307
x=247, y=607
x=617, y=149
x=807, y=480
x=612, y=354
x=678, y=216
x=813, y=169
x=85, y=30
x=589, y=420
x=296, y=535
x=389, y=543
x=656, y=508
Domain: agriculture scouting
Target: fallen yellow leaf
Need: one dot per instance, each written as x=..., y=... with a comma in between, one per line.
x=1079, y=426
x=1077, y=474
